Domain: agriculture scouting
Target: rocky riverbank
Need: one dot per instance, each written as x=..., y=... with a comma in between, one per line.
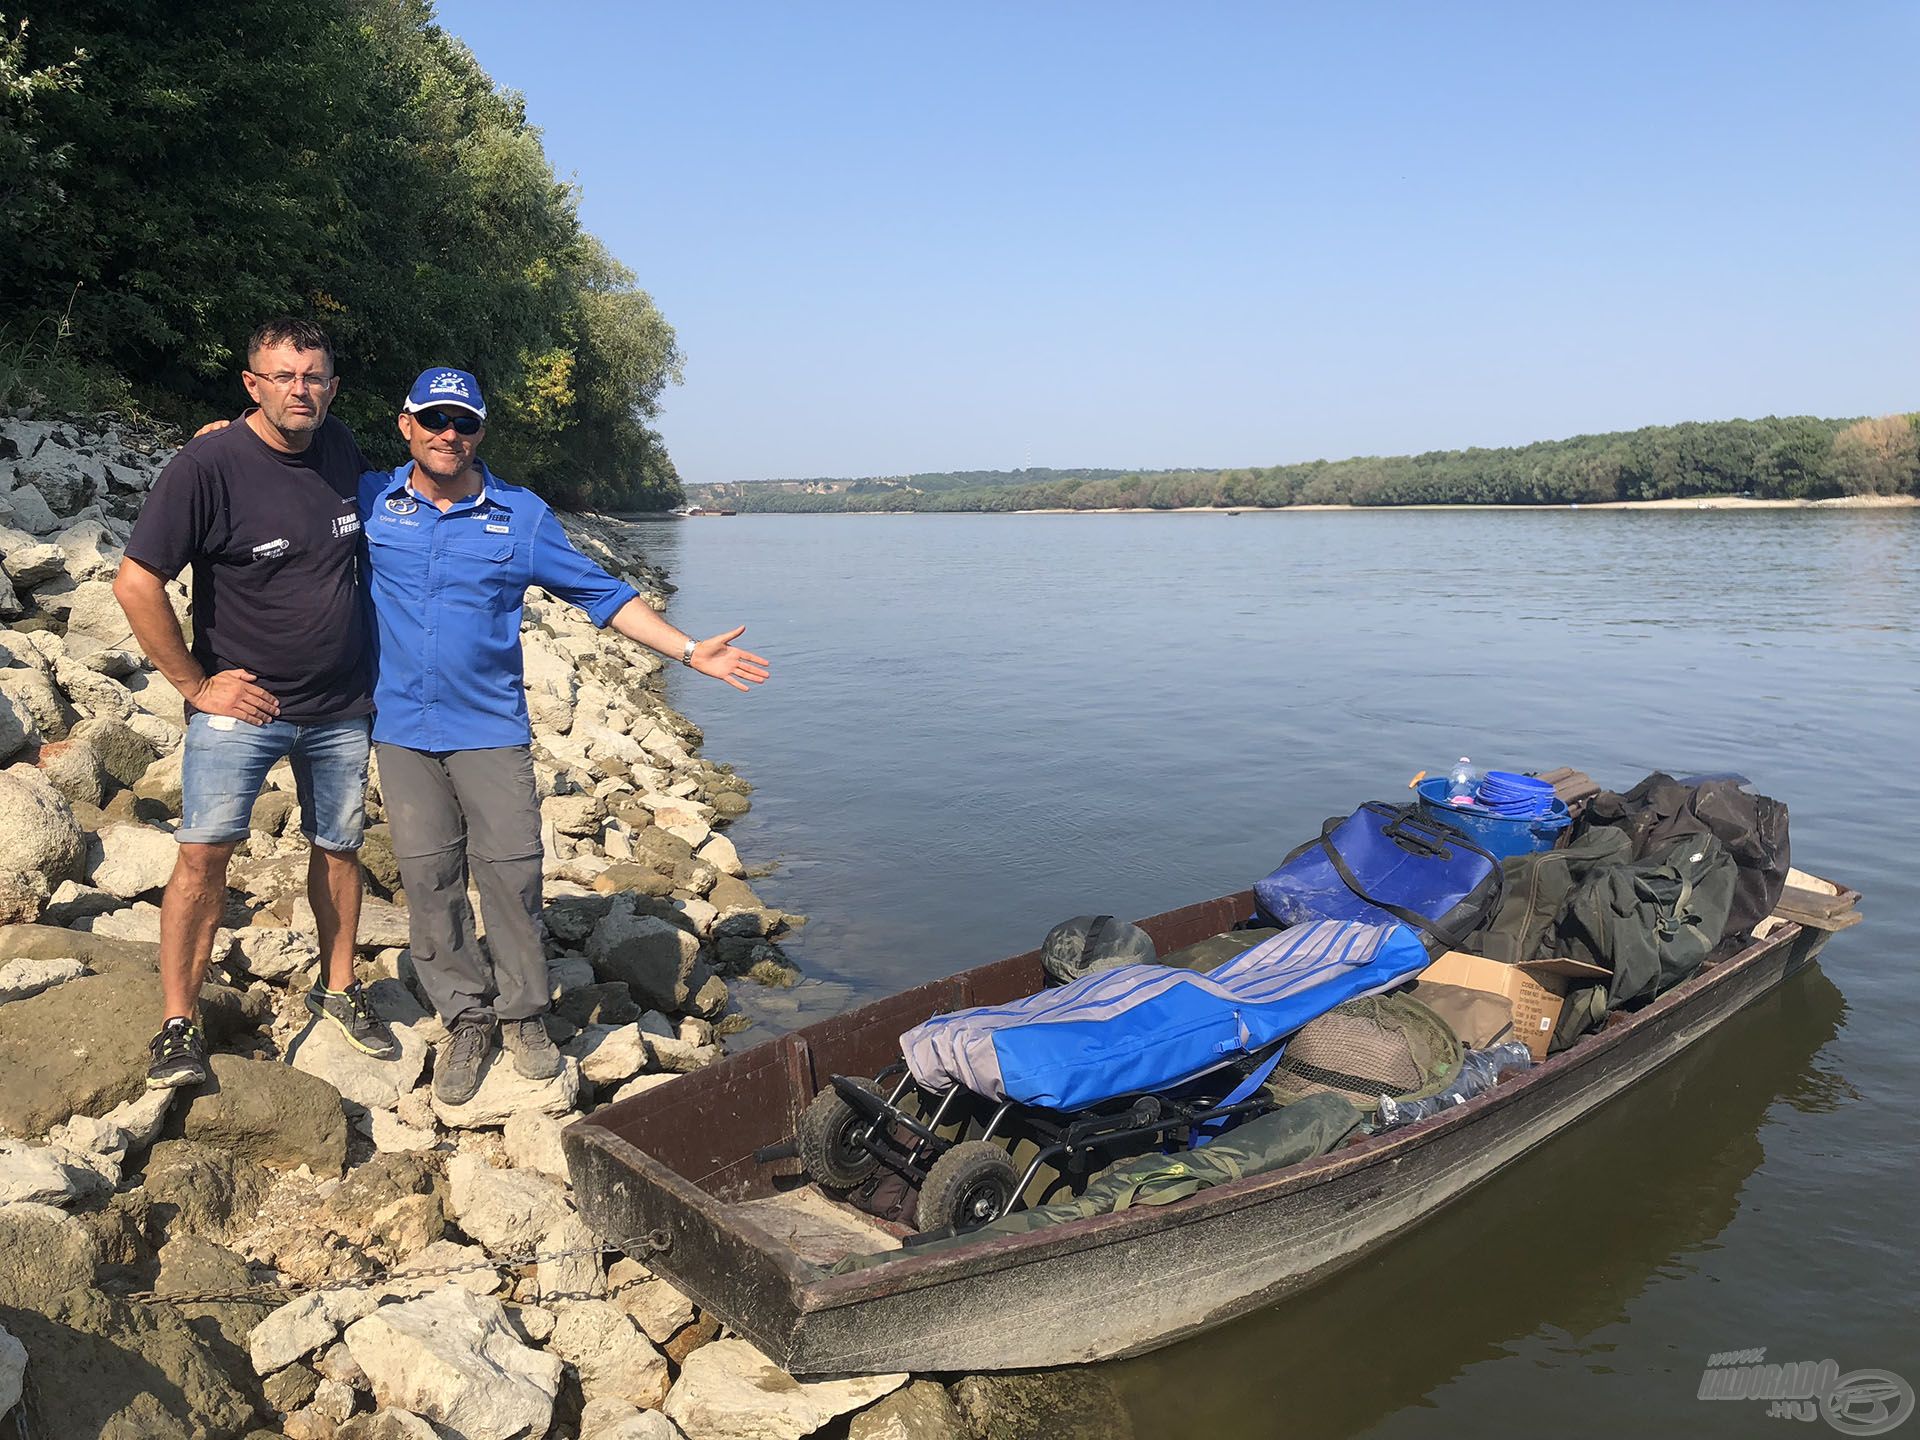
x=305, y=1164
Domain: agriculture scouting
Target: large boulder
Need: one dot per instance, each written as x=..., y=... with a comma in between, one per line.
x=97, y=614
x=654, y=958
x=38, y=834
x=73, y=768
x=269, y=1113
x=728, y=1390
x=119, y=1371
x=504, y=1210
x=132, y=860
x=504, y=1093
x=921, y=1411
x=453, y=1358
x=35, y=563
x=97, y=952
x=16, y=727
x=44, y=1253
x=40, y=700
x=41, y=1175
x=610, y=1355
x=90, y=551
x=195, y=1189
x=124, y=753
x=102, y=1023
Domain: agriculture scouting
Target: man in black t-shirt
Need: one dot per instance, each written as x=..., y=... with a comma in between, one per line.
x=265, y=513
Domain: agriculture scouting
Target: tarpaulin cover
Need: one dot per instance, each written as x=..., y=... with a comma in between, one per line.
x=1147, y=1027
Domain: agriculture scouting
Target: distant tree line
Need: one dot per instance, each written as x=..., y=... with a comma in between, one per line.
x=170, y=175
x=1797, y=457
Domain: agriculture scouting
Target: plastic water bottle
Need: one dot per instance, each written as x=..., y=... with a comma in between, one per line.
x=1479, y=1071
x=1462, y=782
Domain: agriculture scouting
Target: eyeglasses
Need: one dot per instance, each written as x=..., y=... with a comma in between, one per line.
x=286, y=380
x=464, y=422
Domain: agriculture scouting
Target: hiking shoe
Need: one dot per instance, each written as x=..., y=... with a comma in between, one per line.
x=456, y=1073
x=534, y=1053
x=353, y=1013
x=179, y=1056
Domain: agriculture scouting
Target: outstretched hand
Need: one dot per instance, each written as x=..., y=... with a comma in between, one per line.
x=718, y=657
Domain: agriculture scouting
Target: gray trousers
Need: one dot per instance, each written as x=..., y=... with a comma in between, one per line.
x=469, y=811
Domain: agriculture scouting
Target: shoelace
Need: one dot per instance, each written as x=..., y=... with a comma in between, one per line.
x=357, y=1001
x=469, y=1041
x=177, y=1040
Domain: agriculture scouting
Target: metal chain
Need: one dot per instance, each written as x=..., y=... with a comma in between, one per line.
x=654, y=1242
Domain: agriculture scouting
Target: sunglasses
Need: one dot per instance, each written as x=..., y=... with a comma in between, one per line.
x=464, y=422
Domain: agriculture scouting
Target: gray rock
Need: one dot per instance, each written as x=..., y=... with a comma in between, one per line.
x=91, y=552
x=452, y=1358
x=573, y=1269
x=653, y=958
x=382, y=924
x=20, y=979
x=504, y=1093
x=132, y=860
x=293, y=1332
x=390, y=1424
x=125, y=1372
x=323, y=1050
x=72, y=903
x=730, y=1389
x=504, y=1210
x=720, y=853
x=13, y=1370
x=272, y=952
x=198, y=1190
x=73, y=768
x=269, y=1113
x=65, y=481
x=139, y=922
x=1071, y=1404
x=124, y=753
x=194, y=1265
x=161, y=782
x=610, y=1354
x=609, y=1054
x=290, y=1388
x=121, y=1133
x=95, y=612
x=921, y=1411
x=27, y=509
x=34, y=563
x=104, y=1024
x=533, y=1143
x=34, y=692
x=608, y=1418
x=659, y=1309
x=16, y=727
x=38, y=835
x=41, y=1175
x=44, y=1253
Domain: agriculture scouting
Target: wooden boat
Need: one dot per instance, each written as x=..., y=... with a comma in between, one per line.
x=743, y=1239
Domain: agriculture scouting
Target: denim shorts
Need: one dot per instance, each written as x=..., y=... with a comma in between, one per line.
x=226, y=761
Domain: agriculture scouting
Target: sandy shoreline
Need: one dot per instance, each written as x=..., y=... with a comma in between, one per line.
x=1691, y=502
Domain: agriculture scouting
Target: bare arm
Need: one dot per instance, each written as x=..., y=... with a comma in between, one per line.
x=142, y=593
x=715, y=656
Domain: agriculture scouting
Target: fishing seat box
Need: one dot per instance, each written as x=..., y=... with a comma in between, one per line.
x=1536, y=989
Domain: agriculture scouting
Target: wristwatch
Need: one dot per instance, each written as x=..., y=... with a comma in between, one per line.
x=686, y=655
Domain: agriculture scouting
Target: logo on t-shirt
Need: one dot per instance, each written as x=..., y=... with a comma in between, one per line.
x=271, y=550
x=401, y=505
x=345, y=525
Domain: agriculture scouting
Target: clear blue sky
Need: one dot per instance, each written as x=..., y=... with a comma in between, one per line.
x=909, y=237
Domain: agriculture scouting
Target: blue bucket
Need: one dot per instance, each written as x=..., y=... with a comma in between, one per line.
x=1499, y=835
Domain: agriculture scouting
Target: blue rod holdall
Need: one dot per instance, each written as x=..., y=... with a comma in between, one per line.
x=1386, y=863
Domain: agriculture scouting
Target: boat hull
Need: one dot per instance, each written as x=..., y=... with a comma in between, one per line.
x=1112, y=1285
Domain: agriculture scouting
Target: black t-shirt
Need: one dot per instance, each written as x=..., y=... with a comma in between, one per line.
x=274, y=541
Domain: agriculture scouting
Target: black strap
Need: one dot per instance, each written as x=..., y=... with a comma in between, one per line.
x=1447, y=835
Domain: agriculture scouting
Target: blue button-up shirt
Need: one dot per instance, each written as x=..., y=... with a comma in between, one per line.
x=447, y=588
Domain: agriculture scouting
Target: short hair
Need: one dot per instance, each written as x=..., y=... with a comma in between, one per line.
x=287, y=330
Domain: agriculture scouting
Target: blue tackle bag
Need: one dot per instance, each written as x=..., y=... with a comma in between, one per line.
x=1386, y=863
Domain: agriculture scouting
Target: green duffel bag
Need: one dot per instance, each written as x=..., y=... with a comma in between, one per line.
x=1652, y=923
x=1308, y=1127
x=1537, y=886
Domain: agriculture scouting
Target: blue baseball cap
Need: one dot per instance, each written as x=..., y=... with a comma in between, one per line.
x=439, y=386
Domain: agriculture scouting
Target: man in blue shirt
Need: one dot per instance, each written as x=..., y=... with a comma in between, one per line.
x=452, y=550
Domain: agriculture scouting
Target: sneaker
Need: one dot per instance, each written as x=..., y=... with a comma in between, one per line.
x=534, y=1053
x=179, y=1056
x=353, y=1013
x=456, y=1072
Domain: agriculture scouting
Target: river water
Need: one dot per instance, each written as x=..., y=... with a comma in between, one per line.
x=980, y=725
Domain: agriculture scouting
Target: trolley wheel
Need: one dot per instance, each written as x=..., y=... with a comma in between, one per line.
x=968, y=1186
x=826, y=1136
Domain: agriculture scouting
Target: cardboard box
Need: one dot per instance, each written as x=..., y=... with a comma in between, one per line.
x=1535, y=994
